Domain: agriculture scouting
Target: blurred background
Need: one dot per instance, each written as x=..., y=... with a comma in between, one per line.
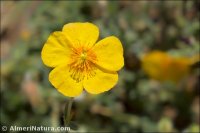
x=158, y=88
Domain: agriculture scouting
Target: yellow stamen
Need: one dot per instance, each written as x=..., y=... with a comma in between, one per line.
x=82, y=64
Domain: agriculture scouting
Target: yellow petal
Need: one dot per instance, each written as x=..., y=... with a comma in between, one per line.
x=109, y=52
x=61, y=80
x=56, y=50
x=81, y=34
x=155, y=64
x=194, y=59
x=101, y=82
x=178, y=69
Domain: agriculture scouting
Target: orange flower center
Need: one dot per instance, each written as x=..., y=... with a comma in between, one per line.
x=82, y=63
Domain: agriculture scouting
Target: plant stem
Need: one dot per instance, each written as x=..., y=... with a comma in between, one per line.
x=67, y=115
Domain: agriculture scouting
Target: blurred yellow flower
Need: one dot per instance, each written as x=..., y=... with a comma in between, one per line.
x=161, y=66
x=80, y=62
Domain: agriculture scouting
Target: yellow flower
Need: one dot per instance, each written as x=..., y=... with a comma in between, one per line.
x=161, y=66
x=79, y=62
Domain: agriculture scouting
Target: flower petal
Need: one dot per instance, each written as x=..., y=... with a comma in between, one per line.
x=56, y=50
x=61, y=80
x=100, y=82
x=81, y=34
x=109, y=52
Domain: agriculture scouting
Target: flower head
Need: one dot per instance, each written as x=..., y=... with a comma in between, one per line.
x=161, y=66
x=79, y=62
